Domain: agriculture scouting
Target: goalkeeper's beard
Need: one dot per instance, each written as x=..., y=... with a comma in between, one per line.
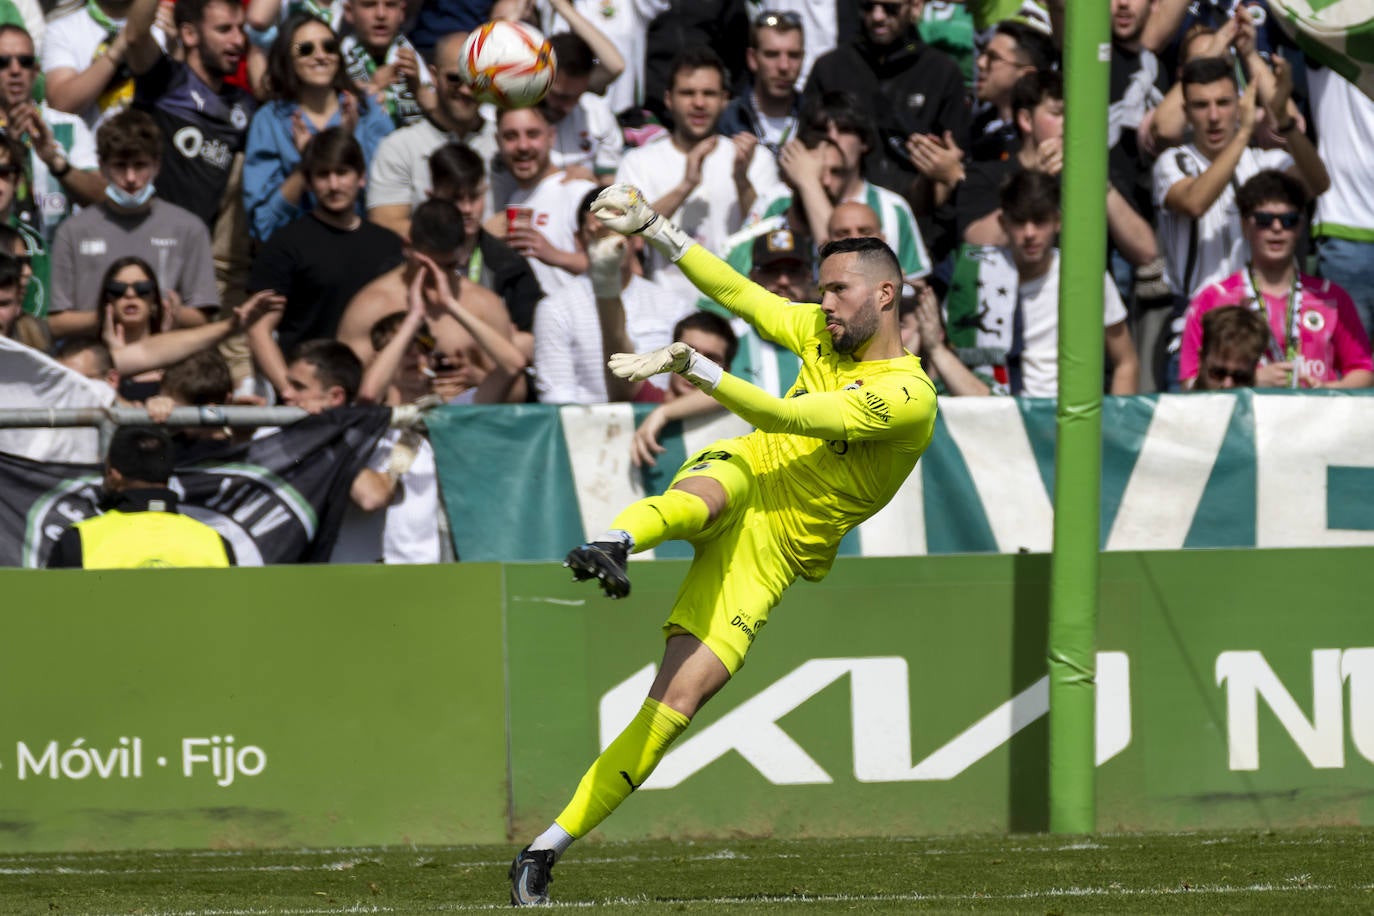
x=855, y=333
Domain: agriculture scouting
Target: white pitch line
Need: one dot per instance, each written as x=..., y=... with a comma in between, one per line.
x=789, y=900
x=361, y=857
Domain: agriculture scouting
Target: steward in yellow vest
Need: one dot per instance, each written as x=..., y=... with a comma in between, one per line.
x=140, y=527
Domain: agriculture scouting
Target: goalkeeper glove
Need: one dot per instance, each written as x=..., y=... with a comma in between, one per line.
x=624, y=209
x=676, y=357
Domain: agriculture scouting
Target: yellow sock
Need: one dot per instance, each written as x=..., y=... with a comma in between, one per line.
x=622, y=767
x=675, y=514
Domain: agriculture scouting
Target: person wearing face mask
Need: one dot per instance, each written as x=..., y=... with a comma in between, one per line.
x=130, y=221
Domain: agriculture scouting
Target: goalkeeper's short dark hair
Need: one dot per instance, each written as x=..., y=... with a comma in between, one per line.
x=869, y=250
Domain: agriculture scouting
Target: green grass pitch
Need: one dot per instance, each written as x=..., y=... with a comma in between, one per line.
x=1306, y=871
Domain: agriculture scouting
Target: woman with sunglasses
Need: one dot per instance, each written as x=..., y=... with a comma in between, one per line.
x=131, y=309
x=309, y=91
x=132, y=312
x=1316, y=337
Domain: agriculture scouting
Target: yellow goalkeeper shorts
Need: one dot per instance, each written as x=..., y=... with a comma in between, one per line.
x=739, y=571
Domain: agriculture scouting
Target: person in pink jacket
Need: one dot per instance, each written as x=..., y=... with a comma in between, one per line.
x=1317, y=340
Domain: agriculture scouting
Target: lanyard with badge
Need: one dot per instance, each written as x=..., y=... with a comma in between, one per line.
x=1286, y=349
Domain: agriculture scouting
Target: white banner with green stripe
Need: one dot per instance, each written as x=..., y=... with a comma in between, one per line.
x=527, y=482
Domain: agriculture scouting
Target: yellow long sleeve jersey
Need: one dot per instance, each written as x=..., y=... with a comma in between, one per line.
x=840, y=444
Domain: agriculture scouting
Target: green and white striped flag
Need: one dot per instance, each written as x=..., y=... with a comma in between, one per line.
x=1337, y=33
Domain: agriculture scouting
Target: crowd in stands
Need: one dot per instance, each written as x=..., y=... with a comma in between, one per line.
x=301, y=202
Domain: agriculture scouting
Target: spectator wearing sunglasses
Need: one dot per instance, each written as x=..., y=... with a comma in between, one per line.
x=136, y=326
x=398, y=177
x=1194, y=184
x=61, y=159
x=904, y=86
x=1316, y=339
x=131, y=310
x=130, y=220
x=1233, y=341
x=769, y=105
x=309, y=92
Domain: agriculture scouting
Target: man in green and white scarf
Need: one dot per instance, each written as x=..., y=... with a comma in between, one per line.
x=380, y=59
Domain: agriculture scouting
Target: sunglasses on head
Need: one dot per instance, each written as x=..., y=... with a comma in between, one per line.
x=26, y=61
x=889, y=8
x=307, y=48
x=1266, y=218
x=1241, y=377
x=772, y=19
x=117, y=290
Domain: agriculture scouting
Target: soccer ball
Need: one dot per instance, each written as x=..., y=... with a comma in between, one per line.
x=508, y=64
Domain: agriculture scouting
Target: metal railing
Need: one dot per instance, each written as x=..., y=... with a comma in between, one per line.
x=105, y=419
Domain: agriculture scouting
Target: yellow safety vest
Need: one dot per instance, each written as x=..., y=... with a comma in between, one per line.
x=148, y=540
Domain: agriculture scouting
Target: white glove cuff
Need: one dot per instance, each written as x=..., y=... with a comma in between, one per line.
x=702, y=372
x=667, y=238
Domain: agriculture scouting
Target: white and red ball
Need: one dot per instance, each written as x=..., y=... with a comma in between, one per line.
x=508, y=63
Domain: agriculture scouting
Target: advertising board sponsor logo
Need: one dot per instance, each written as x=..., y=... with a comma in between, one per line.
x=1247, y=678
x=216, y=757
x=881, y=724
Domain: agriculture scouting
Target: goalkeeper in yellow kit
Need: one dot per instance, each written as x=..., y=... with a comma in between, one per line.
x=760, y=510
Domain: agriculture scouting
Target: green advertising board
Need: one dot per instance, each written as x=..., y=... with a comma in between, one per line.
x=378, y=705
x=256, y=707
x=1235, y=688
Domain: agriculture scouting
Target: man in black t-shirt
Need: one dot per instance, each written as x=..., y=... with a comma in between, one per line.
x=321, y=259
x=204, y=118
x=904, y=86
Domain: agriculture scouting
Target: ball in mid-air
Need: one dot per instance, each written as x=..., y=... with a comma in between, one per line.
x=508, y=63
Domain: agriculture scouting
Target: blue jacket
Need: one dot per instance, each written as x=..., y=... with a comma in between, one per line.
x=271, y=157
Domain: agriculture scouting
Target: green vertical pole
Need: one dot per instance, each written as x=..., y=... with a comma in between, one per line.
x=1078, y=421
